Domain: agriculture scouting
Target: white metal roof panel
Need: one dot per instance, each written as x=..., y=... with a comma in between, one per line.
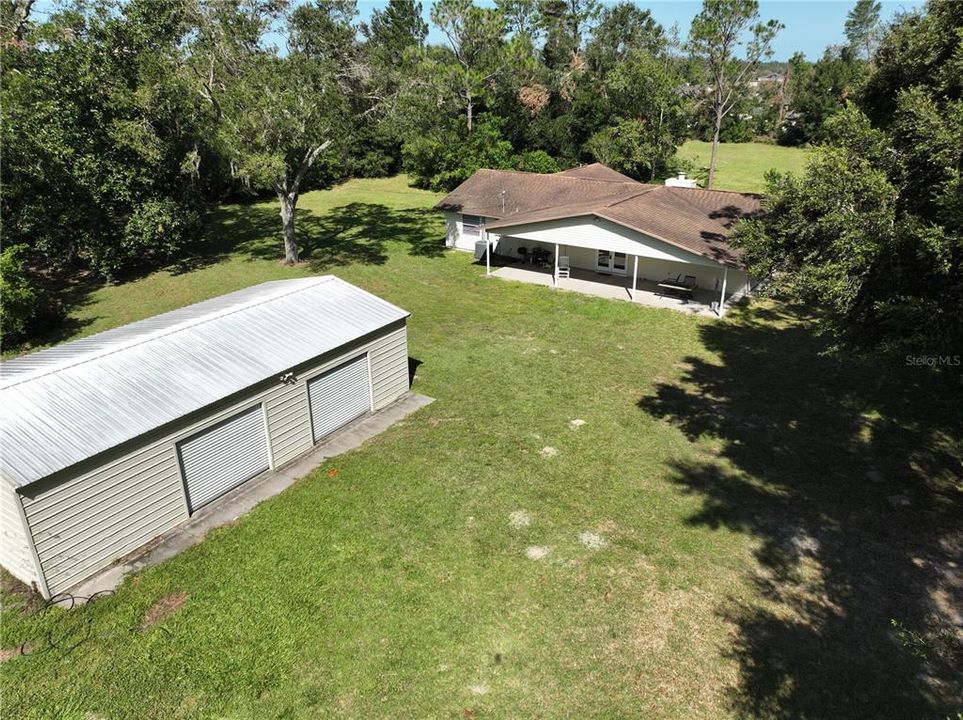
x=65, y=404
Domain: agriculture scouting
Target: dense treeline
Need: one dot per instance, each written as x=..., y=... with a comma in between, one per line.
x=123, y=119
x=872, y=234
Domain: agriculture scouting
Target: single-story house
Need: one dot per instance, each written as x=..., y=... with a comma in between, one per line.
x=599, y=221
x=112, y=440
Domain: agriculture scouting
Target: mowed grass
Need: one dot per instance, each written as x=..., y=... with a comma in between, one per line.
x=742, y=167
x=751, y=566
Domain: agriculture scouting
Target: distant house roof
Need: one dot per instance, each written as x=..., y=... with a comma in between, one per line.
x=65, y=404
x=693, y=219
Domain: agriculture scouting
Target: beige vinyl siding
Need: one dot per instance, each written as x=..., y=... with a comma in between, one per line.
x=81, y=523
x=15, y=554
x=289, y=422
x=389, y=368
x=289, y=425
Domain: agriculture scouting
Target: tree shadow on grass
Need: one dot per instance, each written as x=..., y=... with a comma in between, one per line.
x=345, y=235
x=847, y=471
x=54, y=324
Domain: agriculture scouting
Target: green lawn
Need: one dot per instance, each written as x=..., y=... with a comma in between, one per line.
x=743, y=166
x=737, y=477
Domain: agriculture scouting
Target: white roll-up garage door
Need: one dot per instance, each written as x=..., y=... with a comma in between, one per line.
x=224, y=456
x=339, y=396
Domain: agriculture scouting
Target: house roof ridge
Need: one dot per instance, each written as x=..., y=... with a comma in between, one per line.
x=644, y=191
x=572, y=172
x=577, y=209
x=562, y=176
x=667, y=241
x=714, y=190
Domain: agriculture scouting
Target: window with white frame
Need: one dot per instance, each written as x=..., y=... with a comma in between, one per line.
x=471, y=225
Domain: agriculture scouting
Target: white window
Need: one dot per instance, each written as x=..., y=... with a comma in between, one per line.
x=472, y=225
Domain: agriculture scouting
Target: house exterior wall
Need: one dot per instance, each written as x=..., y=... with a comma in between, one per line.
x=706, y=278
x=454, y=233
x=15, y=553
x=452, y=229
x=82, y=520
x=598, y=234
x=655, y=262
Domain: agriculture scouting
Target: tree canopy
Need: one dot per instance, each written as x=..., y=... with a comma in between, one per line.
x=873, y=233
x=123, y=120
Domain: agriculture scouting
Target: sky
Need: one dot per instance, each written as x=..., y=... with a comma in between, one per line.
x=811, y=25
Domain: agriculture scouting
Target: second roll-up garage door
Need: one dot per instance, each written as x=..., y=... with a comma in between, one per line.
x=339, y=396
x=224, y=456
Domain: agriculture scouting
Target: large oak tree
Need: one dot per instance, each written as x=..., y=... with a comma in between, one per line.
x=276, y=113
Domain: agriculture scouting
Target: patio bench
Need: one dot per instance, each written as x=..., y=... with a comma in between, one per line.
x=681, y=286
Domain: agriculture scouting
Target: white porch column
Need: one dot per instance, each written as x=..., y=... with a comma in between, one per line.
x=722, y=295
x=555, y=276
x=635, y=275
x=488, y=253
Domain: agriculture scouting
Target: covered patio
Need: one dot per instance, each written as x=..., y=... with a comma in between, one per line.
x=607, y=286
x=593, y=230
x=599, y=257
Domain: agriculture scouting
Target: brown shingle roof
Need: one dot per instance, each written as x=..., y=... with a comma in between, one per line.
x=699, y=223
x=596, y=171
x=689, y=218
x=500, y=193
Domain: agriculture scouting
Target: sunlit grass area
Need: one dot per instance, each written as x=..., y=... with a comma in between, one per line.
x=743, y=166
x=715, y=538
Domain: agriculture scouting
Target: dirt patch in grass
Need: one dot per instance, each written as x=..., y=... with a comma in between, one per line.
x=15, y=652
x=536, y=552
x=519, y=519
x=163, y=609
x=16, y=594
x=591, y=540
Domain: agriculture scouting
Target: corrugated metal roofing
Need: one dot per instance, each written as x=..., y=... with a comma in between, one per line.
x=65, y=404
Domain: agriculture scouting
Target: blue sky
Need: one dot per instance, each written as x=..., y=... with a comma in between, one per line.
x=811, y=25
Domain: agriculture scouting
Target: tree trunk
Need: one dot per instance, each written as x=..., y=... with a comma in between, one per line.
x=288, y=193
x=715, y=148
x=471, y=111
x=288, y=202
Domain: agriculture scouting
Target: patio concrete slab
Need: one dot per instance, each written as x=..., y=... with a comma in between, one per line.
x=245, y=498
x=590, y=283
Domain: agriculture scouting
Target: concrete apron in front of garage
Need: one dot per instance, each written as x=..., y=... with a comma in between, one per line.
x=244, y=498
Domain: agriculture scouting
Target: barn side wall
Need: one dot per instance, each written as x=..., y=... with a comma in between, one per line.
x=85, y=518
